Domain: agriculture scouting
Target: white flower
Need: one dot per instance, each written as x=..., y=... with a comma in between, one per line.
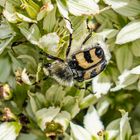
x=118, y=129
x=93, y=126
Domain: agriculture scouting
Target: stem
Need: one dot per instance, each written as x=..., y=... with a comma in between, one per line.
x=104, y=9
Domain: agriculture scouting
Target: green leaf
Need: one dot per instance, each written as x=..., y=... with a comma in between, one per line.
x=27, y=137
x=114, y=125
x=10, y=13
x=107, y=19
x=29, y=33
x=37, y=101
x=135, y=48
x=124, y=57
x=31, y=7
x=5, y=69
x=129, y=33
x=20, y=95
x=108, y=33
x=80, y=31
x=88, y=100
x=126, y=79
x=125, y=7
x=111, y=134
x=138, y=86
x=82, y=7
x=103, y=106
x=50, y=21
x=136, y=137
x=35, y=31
x=55, y=95
x=5, y=30
x=15, y=2
x=22, y=17
x=2, y=3
x=5, y=44
x=29, y=60
x=62, y=9
x=9, y=130
x=64, y=12
x=71, y=105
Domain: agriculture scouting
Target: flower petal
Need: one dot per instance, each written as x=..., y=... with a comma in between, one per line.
x=79, y=133
x=92, y=121
x=9, y=130
x=46, y=115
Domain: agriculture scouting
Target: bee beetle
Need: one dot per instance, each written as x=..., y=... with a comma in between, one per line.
x=82, y=65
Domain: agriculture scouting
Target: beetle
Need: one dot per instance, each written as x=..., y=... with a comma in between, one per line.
x=81, y=66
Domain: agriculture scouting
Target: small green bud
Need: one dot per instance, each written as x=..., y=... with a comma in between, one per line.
x=93, y=25
x=7, y=115
x=18, y=73
x=5, y=92
x=53, y=128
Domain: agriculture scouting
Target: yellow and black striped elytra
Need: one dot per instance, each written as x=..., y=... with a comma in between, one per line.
x=83, y=65
x=80, y=66
x=88, y=63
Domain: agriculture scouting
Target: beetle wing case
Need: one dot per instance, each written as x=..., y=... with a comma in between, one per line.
x=88, y=63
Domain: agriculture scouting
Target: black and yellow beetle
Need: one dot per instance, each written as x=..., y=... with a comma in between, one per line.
x=81, y=66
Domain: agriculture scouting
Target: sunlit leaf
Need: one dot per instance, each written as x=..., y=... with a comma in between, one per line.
x=124, y=58
x=5, y=43
x=111, y=134
x=125, y=79
x=24, y=18
x=10, y=13
x=5, y=69
x=125, y=7
x=62, y=9
x=82, y=7
x=28, y=33
x=50, y=21
x=88, y=100
x=135, y=70
x=102, y=106
x=135, y=48
x=2, y=2
x=129, y=33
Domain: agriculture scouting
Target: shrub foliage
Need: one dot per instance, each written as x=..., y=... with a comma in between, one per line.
x=33, y=106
